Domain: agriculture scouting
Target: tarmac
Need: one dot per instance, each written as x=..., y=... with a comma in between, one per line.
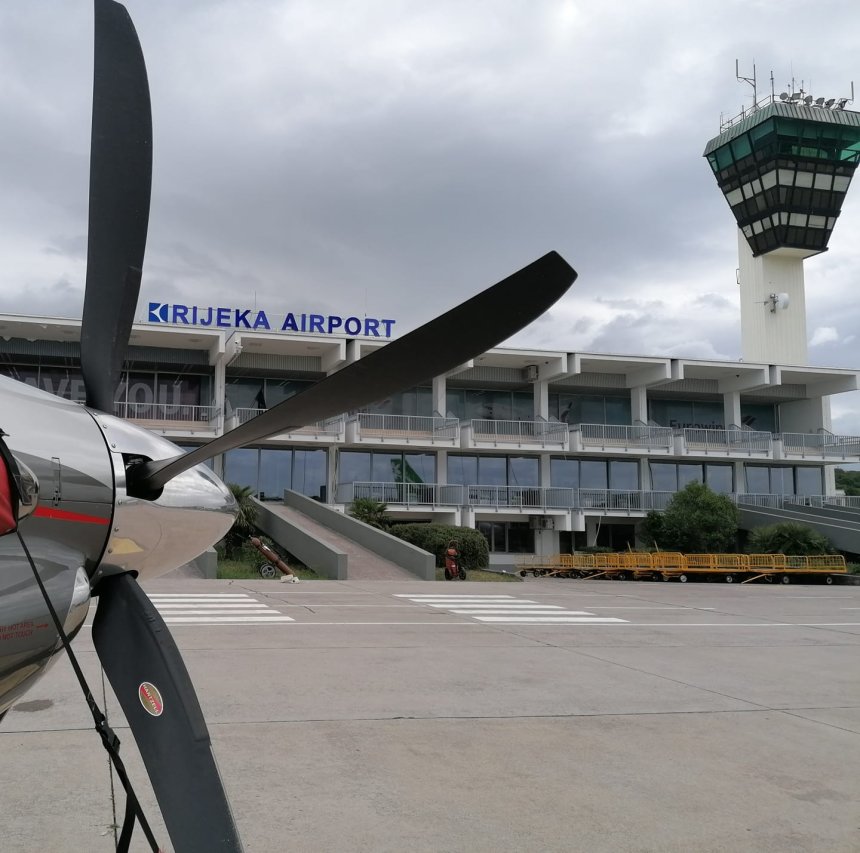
x=564, y=715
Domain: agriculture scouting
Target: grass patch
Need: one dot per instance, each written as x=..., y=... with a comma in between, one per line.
x=481, y=575
x=248, y=570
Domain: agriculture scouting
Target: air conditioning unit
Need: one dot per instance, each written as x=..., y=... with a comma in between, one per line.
x=530, y=373
x=542, y=522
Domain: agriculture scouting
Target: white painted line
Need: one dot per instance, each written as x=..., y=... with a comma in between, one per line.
x=419, y=596
x=537, y=611
x=228, y=620
x=213, y=595
x=567, y=620
x=169, y=614
x=207, y=606
x=487, y=604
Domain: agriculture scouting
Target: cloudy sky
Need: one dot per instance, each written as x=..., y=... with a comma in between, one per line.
x=393, y=158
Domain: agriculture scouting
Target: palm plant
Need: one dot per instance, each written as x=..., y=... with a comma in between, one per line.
x=245, y=522
x=370, y=511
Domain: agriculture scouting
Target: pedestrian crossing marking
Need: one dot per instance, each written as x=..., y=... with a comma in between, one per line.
x=506, y=609
x=215, y=609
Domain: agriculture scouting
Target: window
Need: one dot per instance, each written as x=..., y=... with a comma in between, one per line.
x=466, y=470
x=365, y=466
x=508, y=537
x=269, y=472
x=590, y=409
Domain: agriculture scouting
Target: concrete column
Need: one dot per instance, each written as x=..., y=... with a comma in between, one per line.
x=331, y=475
x=440, y=403
x=219, y=391
x=740, y=480
x=732, y=408
x=639, y=404
x=592, y=525
x=442, y=467
x=541, y=399
x=644, y=475
x=775, y=336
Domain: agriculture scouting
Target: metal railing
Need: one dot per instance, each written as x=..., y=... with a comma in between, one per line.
x=408, y=427
x=821, y=444
x=166, y=412
x=524, y=432
x=404, y=494
x=765, y=500
x=728, y=440
x=612, y=435
x=513, y=496
x=331, y=427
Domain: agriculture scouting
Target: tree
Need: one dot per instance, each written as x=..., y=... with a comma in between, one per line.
x=370, y=511
x=245, y=522
x=788, y=537
x=696, y=521
x=848, y=481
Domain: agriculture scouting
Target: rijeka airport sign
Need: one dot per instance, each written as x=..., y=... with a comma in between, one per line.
x=248, y=318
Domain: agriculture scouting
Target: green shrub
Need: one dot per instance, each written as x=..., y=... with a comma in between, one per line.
x=696, y=521
x=788, y=537
x=472, y=546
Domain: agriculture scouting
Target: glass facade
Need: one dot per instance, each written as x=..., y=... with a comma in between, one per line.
x=248, y=393
x=166, y=387
x=708, y=414
x=269, y=471
x=620, y=474
x=484, y=404
x=590, y=409
x=508, y=537
x=464, y=470
x=673, y=476
x=785, y=178
x=784, y=480
x=377, y=466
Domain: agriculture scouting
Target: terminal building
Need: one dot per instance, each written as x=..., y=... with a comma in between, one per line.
x=542, y=451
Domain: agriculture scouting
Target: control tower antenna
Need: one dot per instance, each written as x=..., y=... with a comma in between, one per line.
x=751, y=80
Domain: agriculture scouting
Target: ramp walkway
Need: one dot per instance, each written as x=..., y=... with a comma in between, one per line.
x=836, y=520
x=338, y=546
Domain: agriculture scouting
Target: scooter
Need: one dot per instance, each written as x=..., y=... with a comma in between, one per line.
x=453, y=569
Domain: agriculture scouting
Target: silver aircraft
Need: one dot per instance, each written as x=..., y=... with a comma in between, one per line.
x=103, y=504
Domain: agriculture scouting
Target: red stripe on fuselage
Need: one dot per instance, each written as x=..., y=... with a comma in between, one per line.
x=63, y=515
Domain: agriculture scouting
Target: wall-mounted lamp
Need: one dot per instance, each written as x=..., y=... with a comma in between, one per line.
x=777, y=300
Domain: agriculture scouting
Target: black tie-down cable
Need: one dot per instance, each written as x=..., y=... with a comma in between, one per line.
x=110, y=741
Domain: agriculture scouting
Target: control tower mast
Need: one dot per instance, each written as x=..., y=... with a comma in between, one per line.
x=784, y=166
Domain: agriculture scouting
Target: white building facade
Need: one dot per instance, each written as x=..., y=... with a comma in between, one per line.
x=542, y=451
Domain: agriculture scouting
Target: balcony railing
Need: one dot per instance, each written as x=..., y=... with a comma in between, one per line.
x=771, y=501
x=170, y=412
x=332, y=427
x=631, y=437
x=404, y=494
x=556, y=497
x=821, y=444
x=519, y=432
x=728, y=441
x=406, y=428
x=820, y=501
x=628, y=500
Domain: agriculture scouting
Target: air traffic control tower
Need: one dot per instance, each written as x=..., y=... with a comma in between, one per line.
x=784, y=166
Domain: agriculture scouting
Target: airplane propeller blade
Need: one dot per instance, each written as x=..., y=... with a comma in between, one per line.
x=144, y=667
x=462, y=333
x=120, y=181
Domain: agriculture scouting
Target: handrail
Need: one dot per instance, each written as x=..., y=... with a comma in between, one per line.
x=431, y=427
x=165, y=412
x=619, y=435
x=534, y=431
x=331, y=426
x=728, y=440
x=821, y=444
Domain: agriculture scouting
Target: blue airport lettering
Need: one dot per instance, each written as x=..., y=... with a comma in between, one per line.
x=226, y=318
